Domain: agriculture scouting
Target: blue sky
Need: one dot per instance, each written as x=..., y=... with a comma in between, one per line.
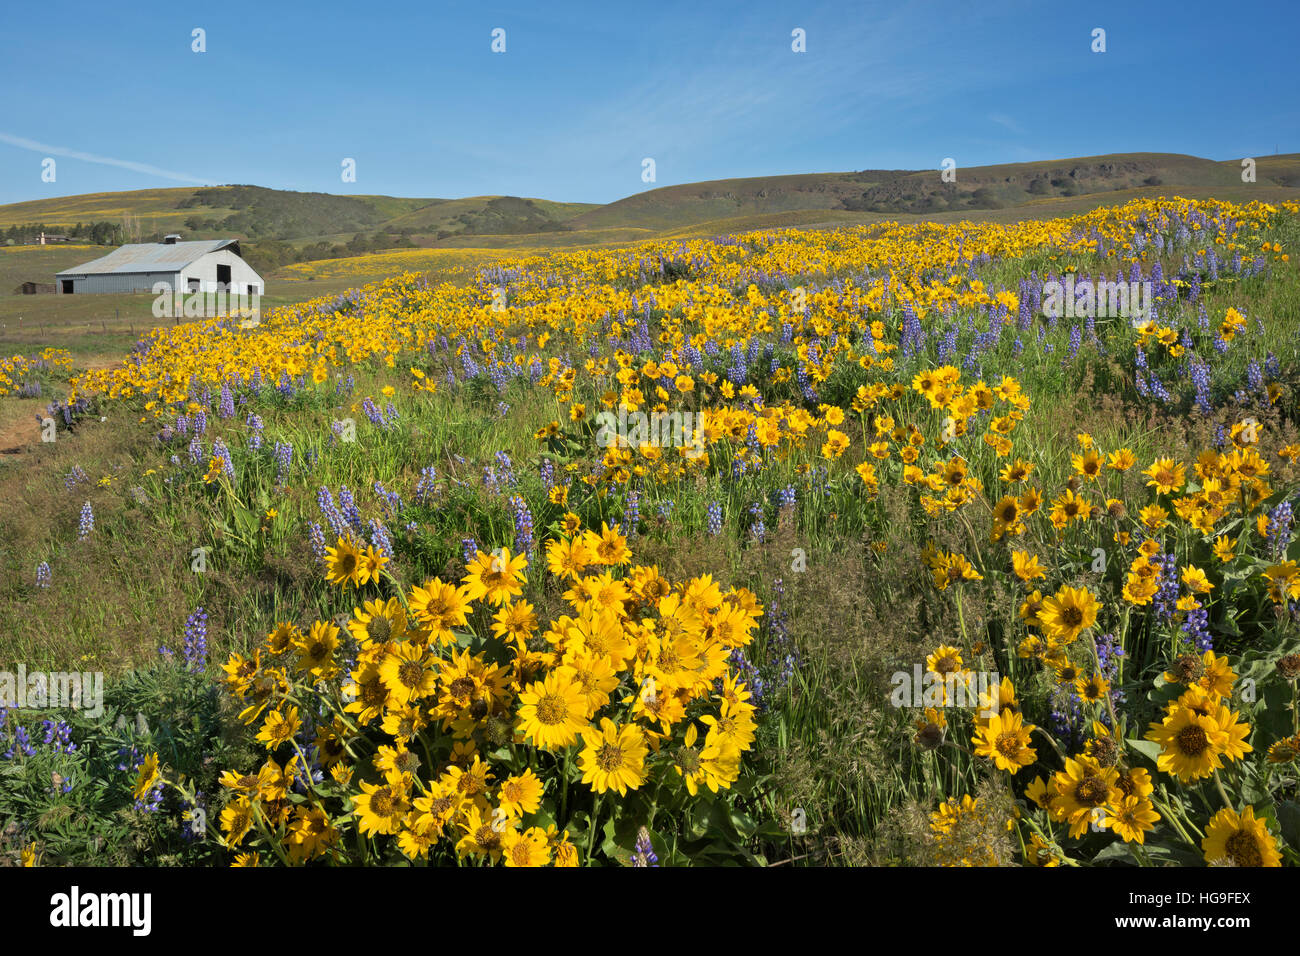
x=585, y=91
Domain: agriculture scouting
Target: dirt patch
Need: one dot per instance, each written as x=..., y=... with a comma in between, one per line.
x=97, y=362
x=18, y=425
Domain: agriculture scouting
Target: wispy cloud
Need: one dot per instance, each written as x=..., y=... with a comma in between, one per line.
x=724, y=100
x=1007, y=122
x=30, y=144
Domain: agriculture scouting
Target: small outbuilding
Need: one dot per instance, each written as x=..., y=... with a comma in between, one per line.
x=206, y=265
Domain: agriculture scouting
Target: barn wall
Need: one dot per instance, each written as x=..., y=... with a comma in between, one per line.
x=130, y=282
x=241, y=273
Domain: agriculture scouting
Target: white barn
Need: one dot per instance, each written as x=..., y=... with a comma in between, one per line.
x=207, y=265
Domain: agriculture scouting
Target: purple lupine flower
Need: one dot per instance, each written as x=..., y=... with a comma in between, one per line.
x=58, y=736
x=226, y=407
x=1066, y=717
x=504, y=470
x=131, y=759
x=350, y=511
x=21, y=744
x=781, y=651
x=1166, y=597
x=948, y=344
x=255, y=437
x=747, y=672
x=913, y=337
x=468, y=549
x=194, y=647
x=87, y=523
x=1254, y=376
x=644, y=853
x=283, y=459
x=425, y=487
x=378, y=536
x=1200, y=375
x=151, y=801
x=523, y=526
x=715, y=518
x=339, y=526
x=317, y=542
x=372, y=412
x=43, y=575
x=392, y=501
x=1197, y=628
x=219, y=450
x=786, y=497
x=631, y=514
x=1278, y=534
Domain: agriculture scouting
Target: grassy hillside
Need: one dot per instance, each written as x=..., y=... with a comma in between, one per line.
x=156, y=209
x=306, y=220
x=488, y=215
x=901, y=193
x=257, y=212
x=673, y=207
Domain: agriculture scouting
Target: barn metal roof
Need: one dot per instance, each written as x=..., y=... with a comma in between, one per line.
x=151, y=257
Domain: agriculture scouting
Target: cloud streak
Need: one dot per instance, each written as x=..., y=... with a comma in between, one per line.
x=1007, y=122
x=30, y=144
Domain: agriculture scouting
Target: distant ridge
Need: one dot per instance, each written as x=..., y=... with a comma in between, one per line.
x=280, y=226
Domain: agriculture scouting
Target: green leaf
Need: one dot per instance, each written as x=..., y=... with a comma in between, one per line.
x=744, y=824
x=1288, y=818
x=1147, y=748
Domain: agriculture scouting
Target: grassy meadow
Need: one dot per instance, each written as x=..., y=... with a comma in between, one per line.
x=413, y=572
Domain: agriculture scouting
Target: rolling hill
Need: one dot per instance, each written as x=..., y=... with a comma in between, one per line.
x=281, y=227
x=901, y=193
